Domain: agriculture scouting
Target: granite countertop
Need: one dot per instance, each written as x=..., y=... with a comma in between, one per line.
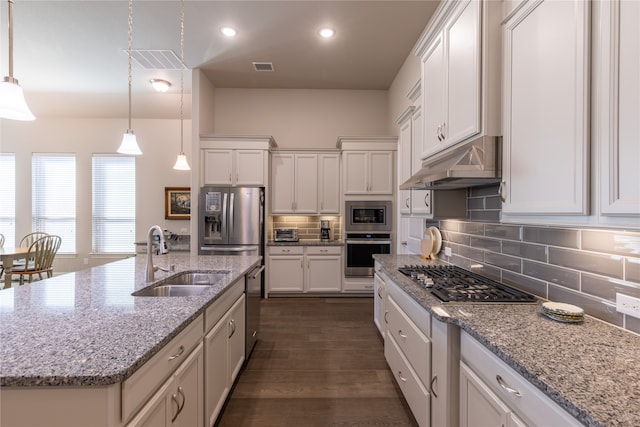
x=307, y=242
x=591, y=369
x=85, y=328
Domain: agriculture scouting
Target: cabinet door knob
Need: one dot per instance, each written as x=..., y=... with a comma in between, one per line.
x=403, y=379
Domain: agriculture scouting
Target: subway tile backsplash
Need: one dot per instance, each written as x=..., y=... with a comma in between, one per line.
x=585, y=267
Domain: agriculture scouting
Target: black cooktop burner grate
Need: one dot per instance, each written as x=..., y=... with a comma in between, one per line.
x=451, y=283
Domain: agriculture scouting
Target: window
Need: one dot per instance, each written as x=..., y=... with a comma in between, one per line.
x=8, y=198
x=114, y=204
x=53, y=204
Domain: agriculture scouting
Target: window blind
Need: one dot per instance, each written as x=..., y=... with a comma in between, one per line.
x=8, y=198
x=114, y=204
x=53, y=203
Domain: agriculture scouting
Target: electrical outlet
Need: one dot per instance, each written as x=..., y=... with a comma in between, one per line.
x=447, y=251
x=628, y=305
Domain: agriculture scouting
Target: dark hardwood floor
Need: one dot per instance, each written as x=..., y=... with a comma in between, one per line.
x=318, y=362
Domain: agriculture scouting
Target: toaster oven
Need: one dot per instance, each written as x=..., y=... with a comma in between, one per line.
x=285, y=234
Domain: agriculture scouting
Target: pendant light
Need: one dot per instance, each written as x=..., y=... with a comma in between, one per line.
x=129, y=144
x=181, y=161
x=12, y=103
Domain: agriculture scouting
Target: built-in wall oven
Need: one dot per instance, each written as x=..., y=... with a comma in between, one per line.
x=368, y=226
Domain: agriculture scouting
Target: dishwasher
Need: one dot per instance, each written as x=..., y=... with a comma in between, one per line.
x=253, y=291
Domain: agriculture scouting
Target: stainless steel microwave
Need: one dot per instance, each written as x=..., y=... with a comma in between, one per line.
x=368, y=216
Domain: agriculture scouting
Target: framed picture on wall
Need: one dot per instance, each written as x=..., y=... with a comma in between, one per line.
x=177, y=203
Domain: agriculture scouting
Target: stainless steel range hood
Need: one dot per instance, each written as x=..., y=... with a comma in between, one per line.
x=474, y=164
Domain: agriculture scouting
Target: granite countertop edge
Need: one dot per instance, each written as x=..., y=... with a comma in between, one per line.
x=453, y=313
x=114, y=375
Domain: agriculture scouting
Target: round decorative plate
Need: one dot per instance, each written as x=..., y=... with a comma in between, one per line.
x=437, y=241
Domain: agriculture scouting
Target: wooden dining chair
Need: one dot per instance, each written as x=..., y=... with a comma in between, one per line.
x=39, y=258
x=28, y=239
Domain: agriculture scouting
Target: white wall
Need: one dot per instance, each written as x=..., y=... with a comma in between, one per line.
x=301, y=118
x=159, y=141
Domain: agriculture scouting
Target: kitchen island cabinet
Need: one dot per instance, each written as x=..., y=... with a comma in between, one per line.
x=587, y=371
x=96, y=355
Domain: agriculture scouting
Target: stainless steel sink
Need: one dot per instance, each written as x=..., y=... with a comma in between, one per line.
x=172, y=291
x=182, y=285
x=190, y=278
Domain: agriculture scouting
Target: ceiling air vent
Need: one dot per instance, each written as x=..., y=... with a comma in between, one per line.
x=263, y=66
x=156, y=59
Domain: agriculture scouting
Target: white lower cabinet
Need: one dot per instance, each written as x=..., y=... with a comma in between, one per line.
x=179, y=401
x=302, y=269
x=224, y=356
x=379, y=297
x=407, y=349
x=493, y=394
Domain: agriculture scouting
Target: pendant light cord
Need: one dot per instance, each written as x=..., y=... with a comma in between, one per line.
x=130, y=43
x=11, y=39
x=181, y=75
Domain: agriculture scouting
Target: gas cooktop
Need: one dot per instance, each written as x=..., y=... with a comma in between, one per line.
x=451, y=283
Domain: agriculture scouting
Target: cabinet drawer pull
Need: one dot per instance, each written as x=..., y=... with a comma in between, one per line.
x=406, y=203
x=178, y=354
x=404, y=380
x=379, y=296
x=385, y=317
x=434, y=380
x=506, y=387
x=401, y=334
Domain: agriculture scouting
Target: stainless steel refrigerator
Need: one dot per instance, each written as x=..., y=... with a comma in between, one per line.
x=231, y=221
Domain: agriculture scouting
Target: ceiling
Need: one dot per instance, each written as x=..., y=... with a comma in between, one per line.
x=79, y=47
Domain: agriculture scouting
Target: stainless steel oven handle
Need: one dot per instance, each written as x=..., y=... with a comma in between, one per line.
x=368, y=242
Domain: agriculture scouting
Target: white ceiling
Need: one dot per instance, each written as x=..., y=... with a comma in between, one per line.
x=79, y=47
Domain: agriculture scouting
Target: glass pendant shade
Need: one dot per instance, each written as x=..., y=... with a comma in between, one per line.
x=181, y=163
x=129, y=144
x=12, y=103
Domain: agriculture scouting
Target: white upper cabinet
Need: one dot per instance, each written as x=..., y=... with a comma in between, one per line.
x=233, y=167
x=305, y=183
x=294, y=180
x=617, y=106
x=329, y=183
x=235, y=160
x=545, y=108
x=368, y=165
x=460, y=55
x=404, y=159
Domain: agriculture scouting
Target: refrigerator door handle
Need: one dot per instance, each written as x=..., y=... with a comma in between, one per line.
x=231, y=216
x=224, y=215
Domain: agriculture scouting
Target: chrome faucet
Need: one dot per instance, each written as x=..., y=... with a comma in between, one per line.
x=162, y=249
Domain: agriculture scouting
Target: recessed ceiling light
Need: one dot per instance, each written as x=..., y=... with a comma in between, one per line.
x=160, y=85
x=327, y=33
x=228, y=31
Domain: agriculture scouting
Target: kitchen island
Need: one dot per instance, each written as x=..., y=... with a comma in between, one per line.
x=590, y=369
x=86, y=330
